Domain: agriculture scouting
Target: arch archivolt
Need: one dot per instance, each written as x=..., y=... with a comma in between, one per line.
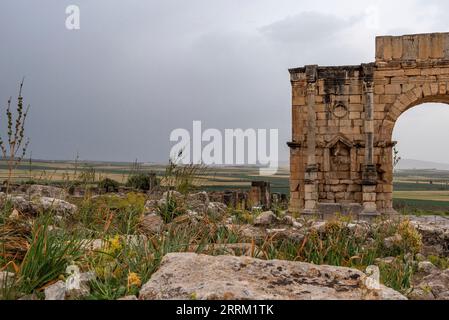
x=428, y=91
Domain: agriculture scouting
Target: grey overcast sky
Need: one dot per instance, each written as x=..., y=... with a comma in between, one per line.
x=136, y=70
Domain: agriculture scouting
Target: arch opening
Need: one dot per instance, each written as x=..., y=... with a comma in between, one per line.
x=421, y=177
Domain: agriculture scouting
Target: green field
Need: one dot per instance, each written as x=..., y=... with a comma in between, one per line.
x=423, y=190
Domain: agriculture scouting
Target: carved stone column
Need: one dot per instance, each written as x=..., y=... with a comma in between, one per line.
x=311, y=174
x=369, y=175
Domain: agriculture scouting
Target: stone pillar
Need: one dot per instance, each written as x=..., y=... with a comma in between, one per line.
x=369, y=175
x=311, y=174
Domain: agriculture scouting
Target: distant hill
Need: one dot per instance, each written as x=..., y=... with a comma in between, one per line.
x=410, y=164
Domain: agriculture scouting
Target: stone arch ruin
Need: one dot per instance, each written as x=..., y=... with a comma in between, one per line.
x=341, y=158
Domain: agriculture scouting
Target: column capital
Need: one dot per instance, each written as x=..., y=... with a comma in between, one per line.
x=368, y=72
x=311, y=88
x=368, y=86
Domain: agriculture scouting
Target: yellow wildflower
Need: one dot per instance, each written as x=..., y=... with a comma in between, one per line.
x=115, y=244
x=134, y=280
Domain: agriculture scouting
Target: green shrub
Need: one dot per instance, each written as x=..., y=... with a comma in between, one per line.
x=109, y=184
x=440, y=262
x=142, y=181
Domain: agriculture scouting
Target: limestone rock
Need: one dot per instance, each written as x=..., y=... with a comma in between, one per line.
x=152, y=224
x=30, y=297
x=151, y=206
x=198, y=202
x=216, y=209
x=434, y=231
x=128, y=298
x=392, y=241
x=372, y=281
x=15, y=214
x=385, y=261
x=6, y=279
x=434, y=285
x=77, y=284
x=424, y=294
x=56, y=291
x=426, y=267
x=36, y=205
x=265, y=219
x=225, y=277
x=59, y=207
x=319, y=226
x=93, y=245
x=46, y=191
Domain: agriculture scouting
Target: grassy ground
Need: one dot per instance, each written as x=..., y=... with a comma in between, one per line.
x=39, y=248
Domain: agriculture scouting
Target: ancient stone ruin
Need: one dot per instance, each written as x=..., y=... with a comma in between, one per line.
x=343, y=119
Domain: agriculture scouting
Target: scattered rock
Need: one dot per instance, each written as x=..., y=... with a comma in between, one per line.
x=392, y=241
x=36, y=205
x=423, y=294
x=198, y=202
x=152, y=224
x=59, y=207
x=169, y=195
x=426, y=267
x=388, y=260
x=93, y=245
x=56, y=291
x=435, y=234
x=20, y=203
x=30, y=297
x=297, y=225
x=151, y=206
x=265, y=219
x=134, y=240
x=235, y=249
x=15, y=214
x=46, y=191
x=200, y=196
x=435, y=285
x=128, y=298
x=372, y=281
x=249, y=233
x=225, y=277
x=216, y=209
x=319, y=226
x=6, y=279
x=288, y=220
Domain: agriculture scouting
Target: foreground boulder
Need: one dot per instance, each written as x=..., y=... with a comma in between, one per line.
x=25, y=205
x=186, y=275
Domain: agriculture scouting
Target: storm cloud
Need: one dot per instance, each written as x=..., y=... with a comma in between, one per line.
x=136, y=70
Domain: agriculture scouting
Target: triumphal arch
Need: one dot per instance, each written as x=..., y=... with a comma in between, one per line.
x=343, y=119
